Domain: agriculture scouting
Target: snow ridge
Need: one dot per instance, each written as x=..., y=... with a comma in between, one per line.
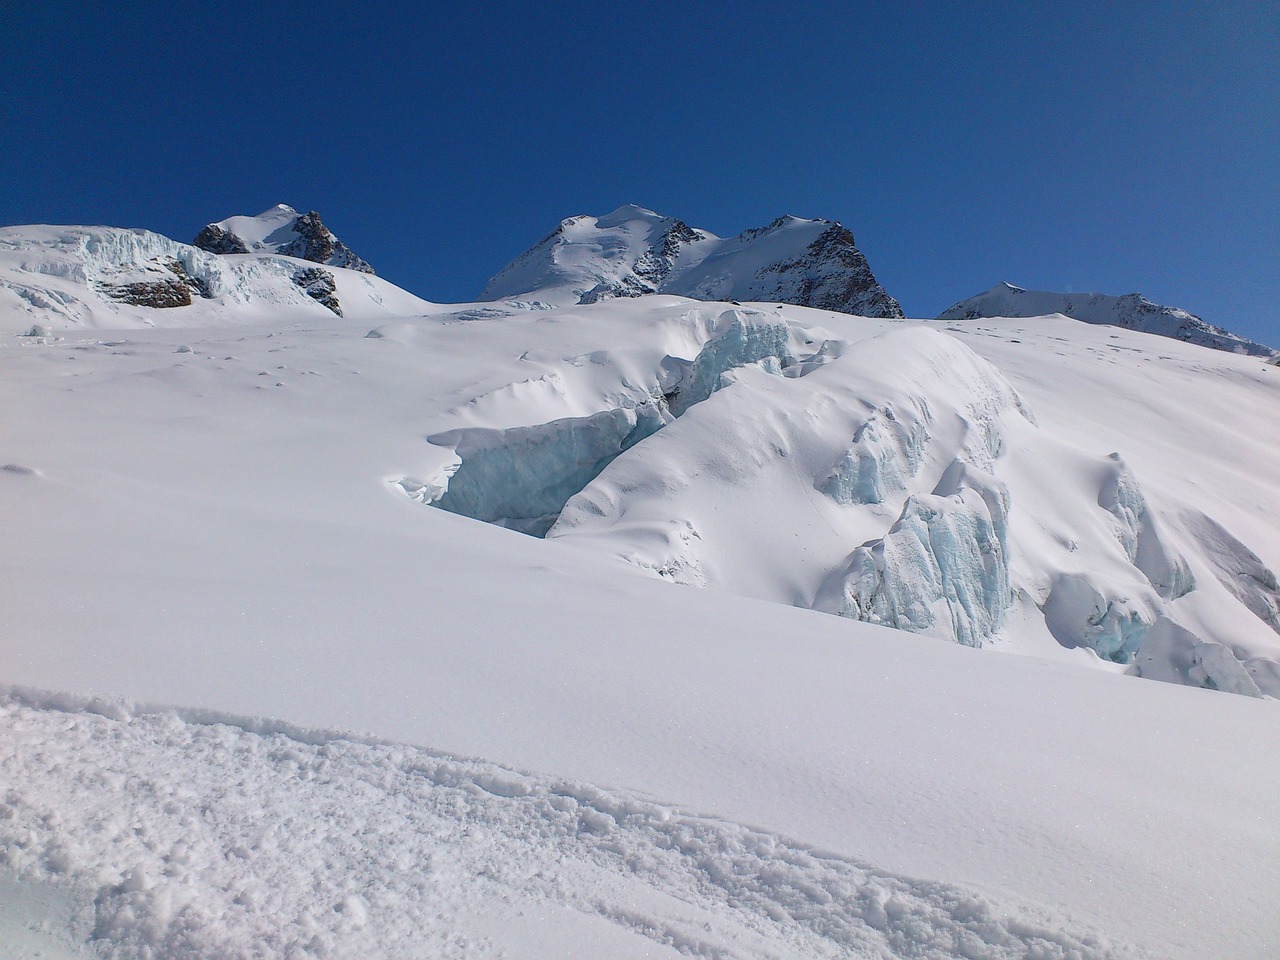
x=212, y=841
x=1131, y=311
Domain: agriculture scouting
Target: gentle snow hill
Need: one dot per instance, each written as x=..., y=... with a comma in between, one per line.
x=633, y=251
x=664, y=769
x=55, y=279
x=281, y=230
x=1131, y=311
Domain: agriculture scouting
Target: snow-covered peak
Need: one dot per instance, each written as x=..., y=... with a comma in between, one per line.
x=272, y=227
x=281, y=230
x=634, y=251
x=626, y=213
x=1131, y=311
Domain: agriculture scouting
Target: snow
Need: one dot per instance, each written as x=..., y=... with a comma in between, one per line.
x=223, y=856
x=267, y=231
x=1131, y=311
x=266, y=698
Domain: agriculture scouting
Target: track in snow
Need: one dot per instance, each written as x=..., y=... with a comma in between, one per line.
x=185, y=839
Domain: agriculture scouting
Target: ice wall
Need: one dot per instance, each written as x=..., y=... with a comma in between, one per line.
x=740, y=338
x=522, y=477
x=884, y=455
x=943, y=568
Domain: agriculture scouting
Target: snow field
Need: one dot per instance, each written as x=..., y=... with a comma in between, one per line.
x=211, y=841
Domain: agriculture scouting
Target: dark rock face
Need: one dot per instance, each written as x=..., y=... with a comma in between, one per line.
x=319, y=285
x=836, y=276
x=317, y=244
x=161, y=293
x=216, y=240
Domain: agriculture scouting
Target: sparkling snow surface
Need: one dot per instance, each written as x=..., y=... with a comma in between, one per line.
x=236, y=516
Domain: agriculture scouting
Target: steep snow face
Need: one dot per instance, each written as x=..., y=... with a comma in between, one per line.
x=58, y=277
x=280, y=230
x=633, y=251
x=1131, y=311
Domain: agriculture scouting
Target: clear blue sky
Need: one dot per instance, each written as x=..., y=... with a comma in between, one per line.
x=1110, y=147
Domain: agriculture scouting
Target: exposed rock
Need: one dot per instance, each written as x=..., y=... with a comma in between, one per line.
x=215, y=239
x=319, y=285
x=836, y=276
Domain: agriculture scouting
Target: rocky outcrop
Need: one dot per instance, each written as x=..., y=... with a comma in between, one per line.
x=162, y=283
x=320, y=286
x=832, y=274
x=215, y=239
x=316, y=243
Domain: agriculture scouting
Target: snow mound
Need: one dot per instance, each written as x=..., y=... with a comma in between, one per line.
x=210, y=841
x=1131, y=311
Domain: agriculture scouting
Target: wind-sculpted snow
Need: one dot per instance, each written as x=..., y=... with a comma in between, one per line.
x=1077, y=614
x=1176, y=655
x=208, y=840
x=521, y=477
x=943, y=568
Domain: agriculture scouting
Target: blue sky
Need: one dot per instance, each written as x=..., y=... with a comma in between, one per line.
x=1109, y=147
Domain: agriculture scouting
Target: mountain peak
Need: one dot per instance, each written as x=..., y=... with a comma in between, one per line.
x=280, y=230
x=626, y=213
x=634, y=251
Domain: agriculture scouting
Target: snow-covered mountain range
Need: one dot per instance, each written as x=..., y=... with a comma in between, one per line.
x=702, y=682
x=1131, y=311
x=281, y=230
x=633, y=251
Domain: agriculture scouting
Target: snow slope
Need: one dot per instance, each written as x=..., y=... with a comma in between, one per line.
x=554, y=751
x=633, y=251
x=1131, y=311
